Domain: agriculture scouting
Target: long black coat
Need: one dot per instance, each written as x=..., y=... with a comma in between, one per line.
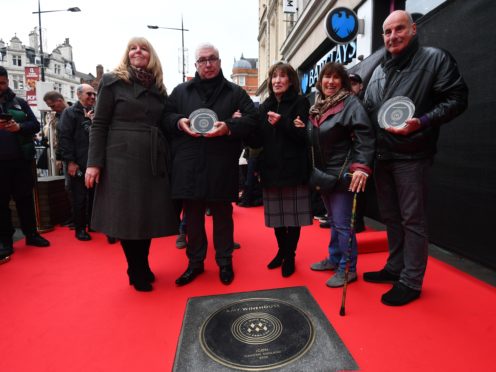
x=284, y=158
x=207, y=168
x=132, y=200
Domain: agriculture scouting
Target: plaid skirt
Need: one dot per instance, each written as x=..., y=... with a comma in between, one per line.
x=287, y=206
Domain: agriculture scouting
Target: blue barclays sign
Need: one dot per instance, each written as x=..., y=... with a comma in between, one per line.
x=342, y=53
x=341, y=25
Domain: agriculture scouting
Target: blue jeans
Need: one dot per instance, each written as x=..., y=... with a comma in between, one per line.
x=402, y=197
x=338, y=205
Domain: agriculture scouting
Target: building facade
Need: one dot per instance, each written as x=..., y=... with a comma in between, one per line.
x=60, y=70
x=245, y=74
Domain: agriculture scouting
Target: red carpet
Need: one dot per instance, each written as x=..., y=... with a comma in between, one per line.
x=69, y=308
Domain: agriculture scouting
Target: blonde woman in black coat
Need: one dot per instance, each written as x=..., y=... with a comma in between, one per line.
x=284, y=163
x=128, y=159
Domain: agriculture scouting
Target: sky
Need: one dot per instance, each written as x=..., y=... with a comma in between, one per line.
x=100, y=32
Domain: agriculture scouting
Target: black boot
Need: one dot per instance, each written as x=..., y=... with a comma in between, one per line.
x=292, y=237
x=136, y=272
x=277, y=260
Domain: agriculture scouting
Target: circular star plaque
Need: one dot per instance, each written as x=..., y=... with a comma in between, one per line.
x=257, y=334
x=395, y=111
x=202, y=120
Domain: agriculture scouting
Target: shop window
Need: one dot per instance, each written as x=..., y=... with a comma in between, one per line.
x=56, y=69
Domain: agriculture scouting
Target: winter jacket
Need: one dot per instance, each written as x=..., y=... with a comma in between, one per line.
x=430, y=78
x=207, y=168
x=18, y=145
x=132, y=199
x=344, y=137
x=284, y=158
x=73, y=131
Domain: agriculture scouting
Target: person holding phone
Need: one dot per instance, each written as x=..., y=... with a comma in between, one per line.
x=17, y=127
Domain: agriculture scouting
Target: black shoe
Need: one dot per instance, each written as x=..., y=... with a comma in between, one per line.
x=37, y=240
x=276, y=261
x=236, y=245
x=111, y=240
x=82, y=235
x=140, y=285
x=381, y=276
x=6, y=250
x=399, y=295
x=288, y=267
x=226, y=274
x=189, y=275
x=325, y=225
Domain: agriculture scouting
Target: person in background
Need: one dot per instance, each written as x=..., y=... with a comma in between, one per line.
x=343, y=141
x=356, y=85
x=128, y=159
x=284, y=167
x=205, y=167
x=430, y=78
x=73, y=128
x=18, y=125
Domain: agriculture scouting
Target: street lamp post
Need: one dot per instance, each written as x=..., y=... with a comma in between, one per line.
x=73, y=9
x=182, y=29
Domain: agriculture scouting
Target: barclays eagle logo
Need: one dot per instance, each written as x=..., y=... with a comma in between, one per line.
x=343, y=23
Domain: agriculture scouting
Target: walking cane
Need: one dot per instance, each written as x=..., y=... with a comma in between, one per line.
x=348, y=260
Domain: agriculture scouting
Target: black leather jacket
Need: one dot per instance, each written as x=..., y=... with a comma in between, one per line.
x=344, y=136
x=430, y=78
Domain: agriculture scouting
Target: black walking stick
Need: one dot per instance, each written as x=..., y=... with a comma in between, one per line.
x=348, y=261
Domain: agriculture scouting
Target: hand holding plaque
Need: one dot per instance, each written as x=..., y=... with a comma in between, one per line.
x=202, y=121
x=395, y=112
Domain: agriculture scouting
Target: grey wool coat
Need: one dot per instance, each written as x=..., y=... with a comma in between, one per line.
x=133, y=197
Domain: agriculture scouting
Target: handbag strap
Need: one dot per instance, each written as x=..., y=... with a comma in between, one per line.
x=310, y=132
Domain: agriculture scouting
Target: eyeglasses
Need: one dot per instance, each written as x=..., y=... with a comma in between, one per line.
x=91, y=94
x=204, y=61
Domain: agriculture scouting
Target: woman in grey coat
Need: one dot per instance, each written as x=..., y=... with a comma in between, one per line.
x=127, y=159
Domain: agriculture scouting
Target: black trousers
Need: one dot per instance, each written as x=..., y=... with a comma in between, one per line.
x=197, y=237
x=16, y=182
x=82, y=202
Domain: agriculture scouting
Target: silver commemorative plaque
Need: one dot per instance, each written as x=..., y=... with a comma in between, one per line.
x=202, y=120
x=395, y=111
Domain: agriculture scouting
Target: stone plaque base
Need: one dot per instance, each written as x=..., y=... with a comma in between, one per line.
x=273, y=330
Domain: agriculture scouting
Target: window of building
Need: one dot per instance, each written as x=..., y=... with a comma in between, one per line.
x=16, y=60
x=18, y=81
x=72, y=92
x=241, y=81
x=419, y=8
x=56, y=69
x=57, y=87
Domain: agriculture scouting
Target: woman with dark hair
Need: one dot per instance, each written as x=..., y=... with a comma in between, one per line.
x=343, y=143
x=127, y=159
x=284, y=163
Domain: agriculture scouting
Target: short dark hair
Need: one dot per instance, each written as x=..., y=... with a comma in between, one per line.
x=3, y=71
x=333, y=68
x=356, y=78
x=52, y=96
x=288, y=70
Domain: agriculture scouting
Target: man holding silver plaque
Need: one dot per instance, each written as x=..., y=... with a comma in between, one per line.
x=209, y=116
x=411, y=93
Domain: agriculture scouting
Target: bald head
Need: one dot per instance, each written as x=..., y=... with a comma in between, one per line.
x=399, y=29
x=86, y=95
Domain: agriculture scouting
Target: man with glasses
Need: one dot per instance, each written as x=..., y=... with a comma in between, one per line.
x=205, y=167
x=73, y=127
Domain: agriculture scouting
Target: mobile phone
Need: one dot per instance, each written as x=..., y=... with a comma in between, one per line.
x=5, y=117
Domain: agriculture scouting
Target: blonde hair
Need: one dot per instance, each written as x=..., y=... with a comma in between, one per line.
x=154, y=66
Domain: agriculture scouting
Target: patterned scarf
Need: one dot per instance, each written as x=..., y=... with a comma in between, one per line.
x=321, y=106
x=143, y=77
